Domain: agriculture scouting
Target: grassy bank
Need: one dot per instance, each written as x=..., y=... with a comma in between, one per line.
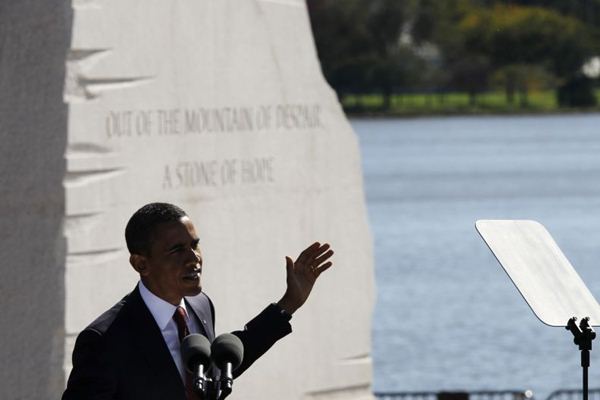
x=457, y=103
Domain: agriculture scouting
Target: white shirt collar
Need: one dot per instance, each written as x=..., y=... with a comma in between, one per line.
x=161, y=310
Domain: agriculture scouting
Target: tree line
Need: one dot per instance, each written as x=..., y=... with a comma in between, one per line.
x=473, y=46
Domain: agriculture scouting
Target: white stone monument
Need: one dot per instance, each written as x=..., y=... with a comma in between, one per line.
x=218, y=106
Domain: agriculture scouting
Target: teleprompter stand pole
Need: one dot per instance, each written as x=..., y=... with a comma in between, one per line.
x=583, y=336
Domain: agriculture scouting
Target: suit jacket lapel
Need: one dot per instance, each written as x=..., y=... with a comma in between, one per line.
x=200, y=305
x=151, y=344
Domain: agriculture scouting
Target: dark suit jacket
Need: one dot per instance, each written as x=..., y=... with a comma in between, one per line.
x=122, y=354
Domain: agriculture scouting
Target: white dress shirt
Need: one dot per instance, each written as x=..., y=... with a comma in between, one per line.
x=163, y=311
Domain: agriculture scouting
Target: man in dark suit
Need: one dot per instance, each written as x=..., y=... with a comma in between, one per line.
x=132, y=351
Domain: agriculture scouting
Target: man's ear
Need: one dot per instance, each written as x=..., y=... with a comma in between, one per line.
x=139, y=263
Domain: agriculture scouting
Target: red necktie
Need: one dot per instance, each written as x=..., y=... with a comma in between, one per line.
x=182, y=331
x=182, y=328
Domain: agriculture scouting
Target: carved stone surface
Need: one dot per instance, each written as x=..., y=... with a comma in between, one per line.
x=217, y=106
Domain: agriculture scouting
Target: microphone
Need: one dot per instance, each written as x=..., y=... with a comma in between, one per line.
x=227, y=353
x=195, y=352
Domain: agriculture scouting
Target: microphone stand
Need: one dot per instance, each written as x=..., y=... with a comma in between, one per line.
x=214, y=389
x=226, y=381
x=583, y=336
x=210, y=390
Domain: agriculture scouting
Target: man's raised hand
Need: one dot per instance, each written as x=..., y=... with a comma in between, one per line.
x=303, y=273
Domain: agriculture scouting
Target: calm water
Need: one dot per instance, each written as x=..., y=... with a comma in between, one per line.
x=447, y=316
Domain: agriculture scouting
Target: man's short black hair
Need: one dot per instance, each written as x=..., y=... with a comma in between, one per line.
x=140, y=229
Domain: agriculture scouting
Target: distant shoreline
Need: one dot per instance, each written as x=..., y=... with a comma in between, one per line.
x=383, y=115
x=412, y=105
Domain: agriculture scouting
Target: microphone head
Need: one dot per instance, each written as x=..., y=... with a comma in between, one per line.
x=227, y=348
x=195, y=350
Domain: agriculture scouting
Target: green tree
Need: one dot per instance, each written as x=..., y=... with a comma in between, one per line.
x=358, y=42
x=528, y=36
x=438, y=22
x=520, y=79
x=343, y=44
x=395, y=63
x=375, y=46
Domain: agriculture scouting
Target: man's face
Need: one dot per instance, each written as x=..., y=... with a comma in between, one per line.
x=173, y=268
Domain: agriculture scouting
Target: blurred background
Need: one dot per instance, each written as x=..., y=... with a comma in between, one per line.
x=469, y=110
x=423, y=56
